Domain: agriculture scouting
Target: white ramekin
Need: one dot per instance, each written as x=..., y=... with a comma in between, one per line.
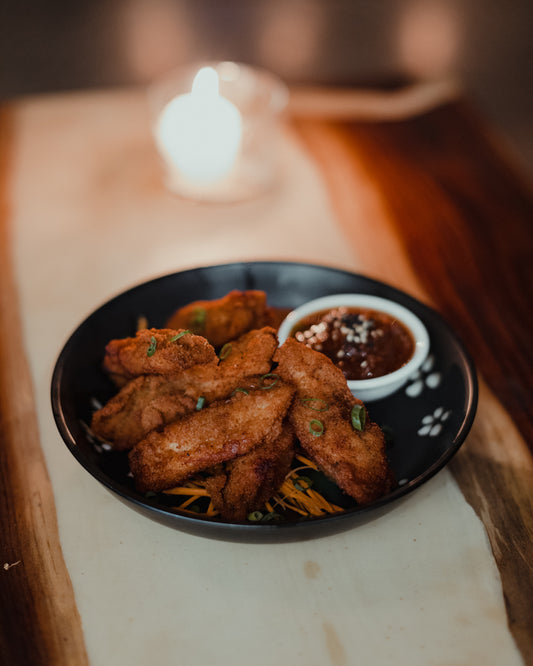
x=377, y=387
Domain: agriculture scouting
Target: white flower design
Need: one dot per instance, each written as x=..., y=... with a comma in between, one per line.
x=426, y=376
x=431, y=425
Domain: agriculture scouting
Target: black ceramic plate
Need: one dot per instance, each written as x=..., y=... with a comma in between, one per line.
x=426, y=421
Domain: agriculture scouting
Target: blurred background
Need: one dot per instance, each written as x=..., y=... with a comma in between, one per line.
x=58, y=45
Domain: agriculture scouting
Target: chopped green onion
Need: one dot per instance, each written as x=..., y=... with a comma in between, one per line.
x=225, y=351
x=302, y=483
x=269, y=375
x=179, y=335
x=240, y=390
x=316, y=427
x=255, y=516
x=271, y=515
x=200, y=403
x=152, y=347
x=307, y=402
x=198, y=319
x=358, y=416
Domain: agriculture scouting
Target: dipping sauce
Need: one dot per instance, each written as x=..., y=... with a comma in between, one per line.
x=362, y=343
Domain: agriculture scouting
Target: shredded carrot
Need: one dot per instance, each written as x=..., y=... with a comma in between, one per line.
x=191, y=499
x=306, y=461
x=294, y=495
x=187, y=490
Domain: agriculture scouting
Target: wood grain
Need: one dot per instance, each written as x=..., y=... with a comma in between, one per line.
x=431, y=205
x=39, y=621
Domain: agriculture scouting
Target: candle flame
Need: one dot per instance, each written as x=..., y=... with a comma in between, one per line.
x=206, y=83
x=200, y=132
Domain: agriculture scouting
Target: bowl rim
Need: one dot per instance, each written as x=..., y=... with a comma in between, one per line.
x=405, y=315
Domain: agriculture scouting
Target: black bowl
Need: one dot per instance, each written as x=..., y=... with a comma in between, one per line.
x=425, y=422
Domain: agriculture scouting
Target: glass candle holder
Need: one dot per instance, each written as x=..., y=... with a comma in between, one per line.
x=217, y=129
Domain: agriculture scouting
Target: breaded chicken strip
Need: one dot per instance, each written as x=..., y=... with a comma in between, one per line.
x=223, y=319
x=321, y=416
x=245, y=358
x=156, y=352
x=152, y=401
x=274, y=316
x=249, y=481
x=205, y=438
x=144, y=404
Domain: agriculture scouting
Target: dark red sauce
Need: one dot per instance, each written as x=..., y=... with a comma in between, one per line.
x=362, y=343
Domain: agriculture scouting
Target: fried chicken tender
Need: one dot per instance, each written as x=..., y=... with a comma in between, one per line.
x=356, y=461
x=155, y=352
x=205, y=438
x=224, y=319
x=245, y=359
x=150, y=402
x=248, y=482
x=144, y=404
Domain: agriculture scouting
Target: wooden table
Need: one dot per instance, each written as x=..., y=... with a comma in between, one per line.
x=410, y=189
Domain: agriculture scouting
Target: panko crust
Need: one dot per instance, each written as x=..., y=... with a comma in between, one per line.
x=224, y=319
x=156, y=352
x=355, y=460
x=203, y=439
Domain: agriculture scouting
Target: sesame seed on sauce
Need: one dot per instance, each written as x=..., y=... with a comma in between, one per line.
x=362, y=343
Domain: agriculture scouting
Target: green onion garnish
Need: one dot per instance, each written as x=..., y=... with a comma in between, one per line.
x=225, y=351
x=271, y=515
x=320, y=406
x=269, y=375
x=179, y=335
x=200, y=403
x=198, y=319
x=358, y=416
x=255, y=516
x=316, y=427
x=302, y=483
x=152, y=347
x=240, y=390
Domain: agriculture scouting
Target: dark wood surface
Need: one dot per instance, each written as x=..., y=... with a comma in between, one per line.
x=458, y=220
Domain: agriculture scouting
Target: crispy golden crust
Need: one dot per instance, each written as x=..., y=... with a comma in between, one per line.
x=223, y=319
x=274, y=316
x=218, y=433
x=154, y=352
x=251, y=480
x=249, y=356
x=244, y=358
x=150, y=402
x=144, y=404
x=356, y=461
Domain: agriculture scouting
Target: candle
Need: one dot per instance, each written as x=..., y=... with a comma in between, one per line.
x=216, y=127
x=200, y=132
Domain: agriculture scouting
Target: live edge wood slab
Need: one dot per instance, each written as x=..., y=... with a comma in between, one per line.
x=39, y=621
x=449, y=221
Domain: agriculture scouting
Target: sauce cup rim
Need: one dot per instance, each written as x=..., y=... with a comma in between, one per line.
x=406, y=316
